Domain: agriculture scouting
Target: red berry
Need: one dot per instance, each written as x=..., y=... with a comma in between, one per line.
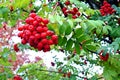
x=50, y=42
x=44, y=41
x=31, y=37
x=32, y=15
x=64, y=9
x=45, y=21
x=39, y=29
x=74, y=17
x=45, y=29
x=55, y=39
x=50, y=33
x=31, y=27
x=16, y=47
x=78, y=13
x=23, y=41
x=43, y=35
x=39, y=19
x=67, y=2
x=34, y=32
x=27, y=32
x=75, y=9
x=35, y=23
x=20, y=28
x=46, y=48
x=37, y=36
x=105, y=57
x=39, y=46
x=20, y=34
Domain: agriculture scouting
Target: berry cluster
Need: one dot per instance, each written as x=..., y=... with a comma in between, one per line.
x=17, y=77
x=105, y=57
x=36, y=33
x=75, y=12
x=106, y=9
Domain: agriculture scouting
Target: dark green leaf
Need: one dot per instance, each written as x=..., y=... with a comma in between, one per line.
x=77, y=47
x=69, y=44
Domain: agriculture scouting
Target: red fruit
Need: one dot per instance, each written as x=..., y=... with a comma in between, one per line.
x=31, y=28
x=29, y=20
x=50, y=33
x=20, y=34
x=26, y=26
x=39, y=29
x=40, y=46
x=50, y=42
x=35, y=23
x=64, y=9
x=78, y=13
x=32, y=15
x=46, y=48
x=105, y=57
x=75, y=9
x=34, y=32
x=39, y=19
x=37, y=36
x=16, y=47
x=43, y=35
x=44, y=41
x=119, y=21
x=68, y=74
x=67, y=2
x=54, y=39
x=27, y=32
x=17, y=77
x=74, y=17
x=45, y=21
x=20, y=28
x=31, y=37
x=45, y=29
x=23, y=41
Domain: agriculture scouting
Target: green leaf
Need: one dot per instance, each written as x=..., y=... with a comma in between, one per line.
x=68, y=29
x=64, y=41
x=60, y=40
x=69, y=44
x=77, y=47
x=91, y=47
x=78, y=32
x=62, y=29
x=83, y=38
x=91, y=25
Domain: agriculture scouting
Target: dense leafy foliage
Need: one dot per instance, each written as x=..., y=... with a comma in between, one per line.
x=73, y=26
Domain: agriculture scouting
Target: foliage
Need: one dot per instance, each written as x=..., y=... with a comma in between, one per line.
x=77, y=37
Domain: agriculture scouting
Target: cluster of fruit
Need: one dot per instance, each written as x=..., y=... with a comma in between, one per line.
x=75, y=12
x=36, y=33
x=17, y=77
x=106, y=9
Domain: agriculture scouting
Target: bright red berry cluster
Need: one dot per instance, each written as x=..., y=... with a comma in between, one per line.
x=36, y=33
x=75, y=12
x=106, y=9
x=17, y=77
x=103, y=58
